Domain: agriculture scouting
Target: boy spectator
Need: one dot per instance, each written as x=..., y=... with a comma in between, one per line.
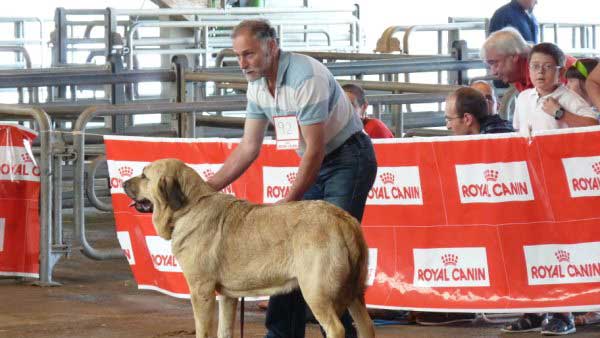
x=373, y=127
x=549, y=105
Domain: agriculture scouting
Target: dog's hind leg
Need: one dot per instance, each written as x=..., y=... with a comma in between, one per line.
x=227, y=307
x=363, y=322
x=325, y=313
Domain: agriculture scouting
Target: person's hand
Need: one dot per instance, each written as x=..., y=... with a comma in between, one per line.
x=550, y=106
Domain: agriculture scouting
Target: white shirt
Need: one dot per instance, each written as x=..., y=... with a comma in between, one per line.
x=529, y=115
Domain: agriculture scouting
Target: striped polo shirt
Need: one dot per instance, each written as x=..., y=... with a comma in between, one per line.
x=305, y=88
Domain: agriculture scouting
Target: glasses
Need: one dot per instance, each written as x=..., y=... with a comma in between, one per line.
x=536, y=67
x=450, y=118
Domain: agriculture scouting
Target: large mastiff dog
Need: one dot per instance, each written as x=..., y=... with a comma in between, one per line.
x=238, y=249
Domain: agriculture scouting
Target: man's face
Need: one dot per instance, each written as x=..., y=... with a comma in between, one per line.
x=488, y=93
x=255, y=57
x=505, y=67
x=544, y=72
x=528, y=4
x=455, y=123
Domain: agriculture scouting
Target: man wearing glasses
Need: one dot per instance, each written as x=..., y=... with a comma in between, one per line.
x=467, y=114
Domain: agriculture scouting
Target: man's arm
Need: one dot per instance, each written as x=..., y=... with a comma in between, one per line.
x=314, y=137
x=592, y=86
x=242, y=156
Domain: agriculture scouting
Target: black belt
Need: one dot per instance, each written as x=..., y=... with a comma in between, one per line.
x=353, y=139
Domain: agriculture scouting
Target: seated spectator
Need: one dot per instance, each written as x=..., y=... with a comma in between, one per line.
x=592, y=87
x=549, y=105
x=577, y=75
x=375, y=128
x=467, y=114
x=517, y=14
x=488, y=92
x=506, y=54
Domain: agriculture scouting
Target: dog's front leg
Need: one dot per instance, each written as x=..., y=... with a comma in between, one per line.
x=203, y=304
x=227, y=307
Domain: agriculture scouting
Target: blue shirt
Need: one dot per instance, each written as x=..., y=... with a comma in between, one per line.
x=305, y=88
x=512, y=14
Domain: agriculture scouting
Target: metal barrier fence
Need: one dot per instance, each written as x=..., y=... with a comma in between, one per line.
x=334, y=29
x=583, y=35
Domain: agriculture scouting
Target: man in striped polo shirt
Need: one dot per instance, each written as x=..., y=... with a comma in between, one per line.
x=311, y=114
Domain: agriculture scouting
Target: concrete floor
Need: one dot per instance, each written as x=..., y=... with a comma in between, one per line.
x=100, y=299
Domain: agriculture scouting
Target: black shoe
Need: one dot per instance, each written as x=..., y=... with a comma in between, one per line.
x=527, y=323
x=559, y=325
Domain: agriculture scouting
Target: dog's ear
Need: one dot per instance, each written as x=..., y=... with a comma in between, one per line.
x=171, y=191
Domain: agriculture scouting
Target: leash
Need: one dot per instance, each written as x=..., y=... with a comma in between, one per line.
x=242, y=317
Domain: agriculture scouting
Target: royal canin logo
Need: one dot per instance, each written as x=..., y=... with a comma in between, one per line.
x=291, y=177
x=125, y=171
x=449, y=259
x=562, y=256
x=596, y=168
x=494, y=182
x=277, y=182
x=208, y=170
x=396, y=186
x=436, y=268
x=208, y=173
x=26, y=158
x=492, y=188
x=19, y=170
x=387, y=178
x=555, y=264
x=120, y=171
x=583, y=175
x=491, y=175
x=162, y=257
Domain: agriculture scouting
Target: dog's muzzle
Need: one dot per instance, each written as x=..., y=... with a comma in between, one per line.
x=144, y=206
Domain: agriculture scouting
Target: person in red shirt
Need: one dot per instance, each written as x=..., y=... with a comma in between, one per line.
x=375, y=128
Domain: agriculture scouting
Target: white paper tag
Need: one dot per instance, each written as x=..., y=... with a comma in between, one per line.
x=287, y=132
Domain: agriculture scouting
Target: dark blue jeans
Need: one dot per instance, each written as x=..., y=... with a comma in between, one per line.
x=345, y=179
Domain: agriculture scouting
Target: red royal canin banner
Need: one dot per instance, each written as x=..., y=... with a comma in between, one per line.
x=489, y=223
x=19, y=193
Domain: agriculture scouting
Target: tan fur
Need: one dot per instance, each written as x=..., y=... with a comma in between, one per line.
x=239, y=249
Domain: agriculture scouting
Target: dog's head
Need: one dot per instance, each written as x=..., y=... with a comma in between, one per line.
x=164, y=187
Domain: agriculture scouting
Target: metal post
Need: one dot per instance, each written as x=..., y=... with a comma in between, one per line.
x=47, y=259
x=60, y=46
x=186, y=122
x=110, y=28
x=117, y=94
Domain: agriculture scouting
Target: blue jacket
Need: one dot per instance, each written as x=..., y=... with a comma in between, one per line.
x=512, y=14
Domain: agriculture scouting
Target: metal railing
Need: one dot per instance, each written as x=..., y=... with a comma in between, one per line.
x=118, y=24
x=48, y=257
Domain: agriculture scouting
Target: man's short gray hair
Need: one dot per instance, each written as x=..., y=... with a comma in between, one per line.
x=507, y=41
x=261, y=29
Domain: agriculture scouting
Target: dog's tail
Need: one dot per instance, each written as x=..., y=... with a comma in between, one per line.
x=358, y=256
